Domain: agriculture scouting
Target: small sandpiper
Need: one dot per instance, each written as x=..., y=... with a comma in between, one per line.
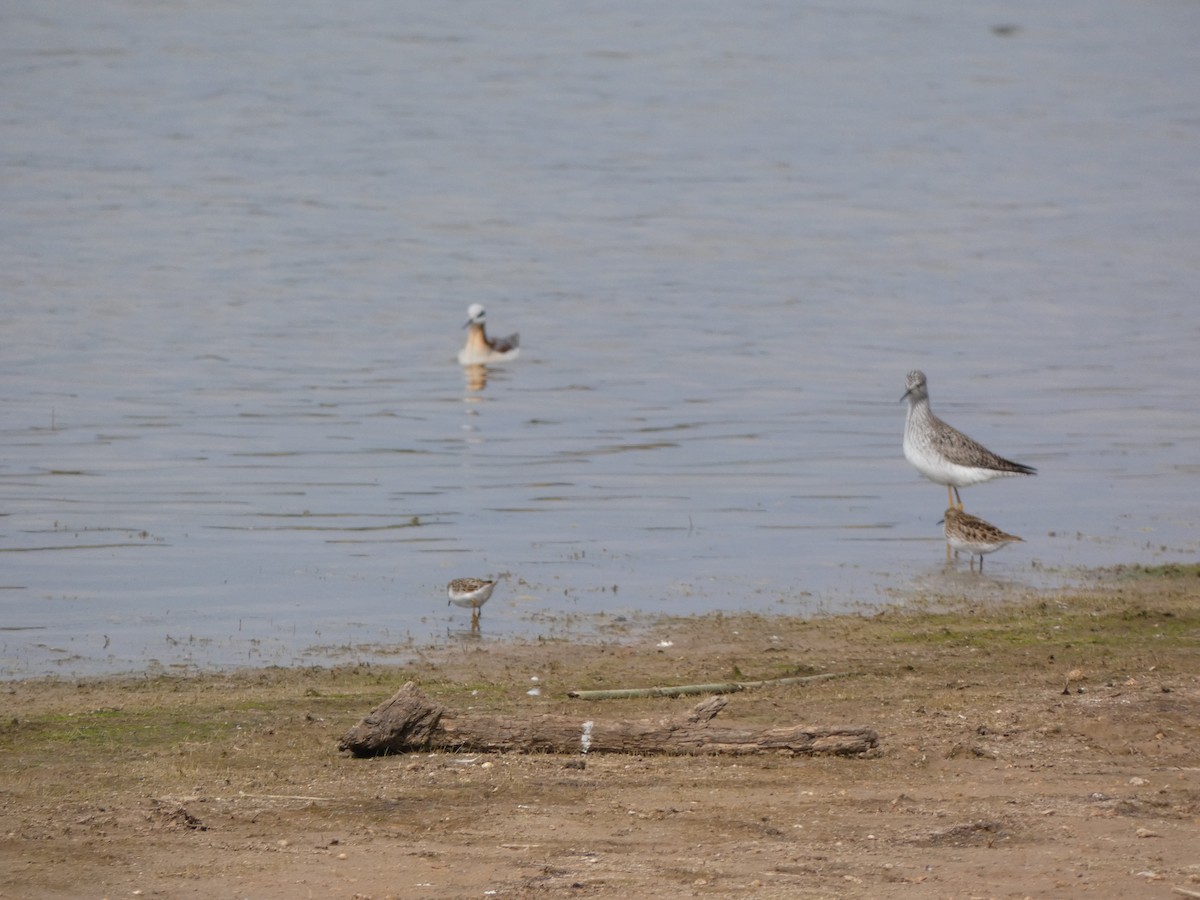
x=479, y=347
x=967, y=532
x=470, y=593
x=941, y=453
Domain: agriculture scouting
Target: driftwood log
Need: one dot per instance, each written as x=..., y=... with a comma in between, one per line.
x=410, y=721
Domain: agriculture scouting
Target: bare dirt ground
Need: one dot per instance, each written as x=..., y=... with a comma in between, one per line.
x=1047, y=747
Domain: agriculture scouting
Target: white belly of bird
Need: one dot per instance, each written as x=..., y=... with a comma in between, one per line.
x=941, y=471
x=977, y=547
x=471, y=356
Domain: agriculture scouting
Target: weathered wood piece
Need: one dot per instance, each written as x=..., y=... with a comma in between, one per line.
x=410, y=721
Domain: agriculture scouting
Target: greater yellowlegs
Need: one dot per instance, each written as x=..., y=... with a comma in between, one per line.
x=967, y=532
x=943, y=454
x=479, y=347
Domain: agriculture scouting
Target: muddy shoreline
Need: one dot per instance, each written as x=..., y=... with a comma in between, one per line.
x=1042, y=746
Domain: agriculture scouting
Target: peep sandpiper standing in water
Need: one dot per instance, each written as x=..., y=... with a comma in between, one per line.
x=479, y=347
x=943, y=454
x=967, y=532
x=470, y=593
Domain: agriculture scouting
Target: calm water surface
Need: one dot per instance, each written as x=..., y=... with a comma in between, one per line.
x=239, y=241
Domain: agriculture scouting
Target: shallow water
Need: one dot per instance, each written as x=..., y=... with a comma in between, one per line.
x=240, y=240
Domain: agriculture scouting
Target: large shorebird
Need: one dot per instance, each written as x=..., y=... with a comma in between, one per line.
x=943, y=454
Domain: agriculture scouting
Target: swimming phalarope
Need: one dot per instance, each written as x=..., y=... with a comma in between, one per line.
x=482, y=349
x=967, y=532
x=941, y=453
x=470, y=593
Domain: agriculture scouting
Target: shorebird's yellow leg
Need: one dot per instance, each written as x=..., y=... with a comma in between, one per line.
x=959, y=499
x=951, y=490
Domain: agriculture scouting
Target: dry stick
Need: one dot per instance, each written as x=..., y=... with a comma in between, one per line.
x=728, y=687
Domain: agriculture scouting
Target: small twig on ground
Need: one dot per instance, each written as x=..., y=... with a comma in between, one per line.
x=726, y=687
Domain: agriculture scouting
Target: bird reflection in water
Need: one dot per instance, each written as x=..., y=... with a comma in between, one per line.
x=477, y=375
